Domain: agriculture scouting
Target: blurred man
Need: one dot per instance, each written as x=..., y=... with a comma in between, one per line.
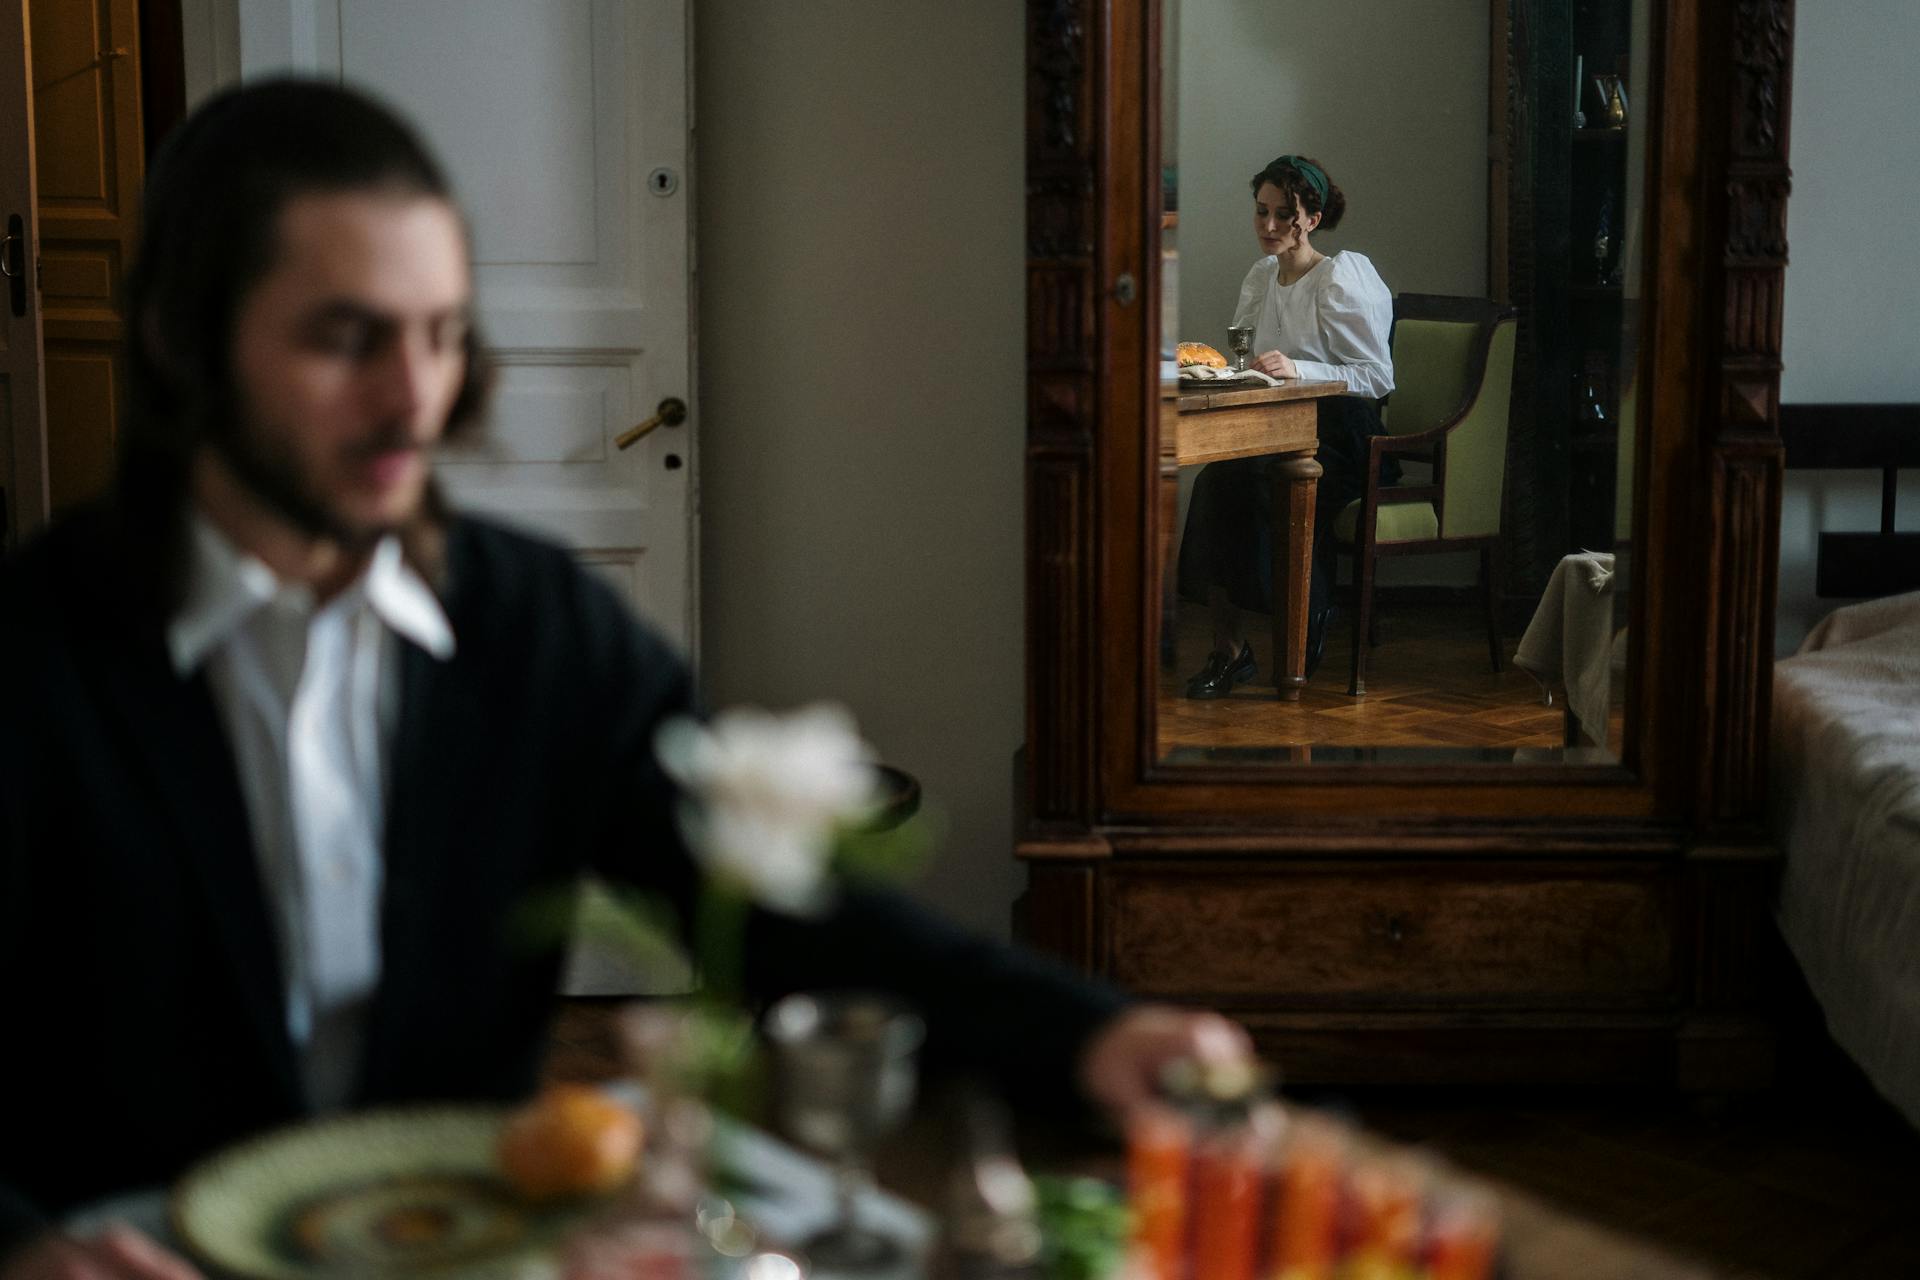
x=287, y=743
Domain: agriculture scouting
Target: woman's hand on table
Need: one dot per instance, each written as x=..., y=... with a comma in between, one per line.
x=120, y=1253
x=1275, y=364
x=1122, y=1066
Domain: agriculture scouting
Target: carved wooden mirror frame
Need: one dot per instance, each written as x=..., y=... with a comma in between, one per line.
x=1685, y=803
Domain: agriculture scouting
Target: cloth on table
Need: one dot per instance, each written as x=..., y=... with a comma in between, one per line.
x=1571, y=642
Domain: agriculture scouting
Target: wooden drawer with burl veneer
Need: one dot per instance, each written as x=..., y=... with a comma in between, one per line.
x=1395, y=935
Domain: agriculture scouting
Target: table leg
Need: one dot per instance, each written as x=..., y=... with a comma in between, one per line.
x=1296, y=486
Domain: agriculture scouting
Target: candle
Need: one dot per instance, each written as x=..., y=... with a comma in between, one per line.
x=1159, y=1151
x=1388, y=1193
x=1304, y=1243
x=1579, y=76
x=1464, y=1236
x=1226, y=1206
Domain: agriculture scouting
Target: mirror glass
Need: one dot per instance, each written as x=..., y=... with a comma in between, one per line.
x=1429, y=215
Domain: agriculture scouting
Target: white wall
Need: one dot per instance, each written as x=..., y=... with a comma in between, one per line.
x=1850, y=332
x=1389, y=95
x=862, y=316
x=862, y=333
x=858, y=169
x=862, y=329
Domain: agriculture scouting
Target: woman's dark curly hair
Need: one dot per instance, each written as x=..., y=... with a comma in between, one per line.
x=1291, y=175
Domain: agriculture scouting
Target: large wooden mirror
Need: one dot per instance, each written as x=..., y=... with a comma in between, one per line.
x=1593, y=911
x=1468, y=287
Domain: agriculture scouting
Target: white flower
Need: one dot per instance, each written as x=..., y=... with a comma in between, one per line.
x=769, y=793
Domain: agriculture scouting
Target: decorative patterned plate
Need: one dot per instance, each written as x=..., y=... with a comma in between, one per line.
x=402, y=1192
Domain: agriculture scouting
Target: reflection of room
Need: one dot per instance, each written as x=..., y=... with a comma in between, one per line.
x=1200, y=878
x=1402, y=117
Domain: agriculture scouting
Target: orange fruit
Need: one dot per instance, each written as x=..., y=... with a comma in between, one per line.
x=572, y=1140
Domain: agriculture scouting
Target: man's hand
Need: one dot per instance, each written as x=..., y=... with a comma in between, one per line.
x=1121, y=1066
x=120, y=1253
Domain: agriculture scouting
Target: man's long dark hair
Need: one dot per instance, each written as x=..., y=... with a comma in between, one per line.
x=209, y=232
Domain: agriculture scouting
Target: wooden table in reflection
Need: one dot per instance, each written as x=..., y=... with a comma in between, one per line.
x=1203, y=425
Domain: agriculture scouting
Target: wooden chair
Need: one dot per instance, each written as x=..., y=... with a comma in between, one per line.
x=1453, y=383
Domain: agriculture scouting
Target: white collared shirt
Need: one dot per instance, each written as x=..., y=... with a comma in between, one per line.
x=309, y=697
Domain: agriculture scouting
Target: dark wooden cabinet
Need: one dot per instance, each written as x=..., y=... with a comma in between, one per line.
x=1561, y=178
x=1540, y=967
x=1434, y=923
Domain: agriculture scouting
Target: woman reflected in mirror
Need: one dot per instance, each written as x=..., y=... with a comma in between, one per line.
x=1319, y=318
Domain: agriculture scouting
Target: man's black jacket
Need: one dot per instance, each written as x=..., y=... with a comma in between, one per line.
x=141, y=998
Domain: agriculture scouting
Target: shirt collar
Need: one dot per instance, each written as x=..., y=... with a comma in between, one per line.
x=404, y=601
x=225, y=586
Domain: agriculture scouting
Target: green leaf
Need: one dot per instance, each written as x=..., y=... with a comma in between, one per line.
x=640, y=926
x=893, y=854
x=1084, y=1225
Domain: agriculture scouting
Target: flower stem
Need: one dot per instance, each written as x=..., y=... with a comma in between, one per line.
x=720, y=927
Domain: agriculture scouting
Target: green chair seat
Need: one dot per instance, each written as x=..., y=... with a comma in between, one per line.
x=1397, y=522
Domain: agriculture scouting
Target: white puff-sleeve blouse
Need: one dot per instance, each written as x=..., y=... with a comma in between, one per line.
x=1333, y=321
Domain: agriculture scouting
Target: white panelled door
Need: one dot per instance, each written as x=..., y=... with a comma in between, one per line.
x=564, y=127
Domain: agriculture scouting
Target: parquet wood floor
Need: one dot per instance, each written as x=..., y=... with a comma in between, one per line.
x=1814, y=1180
x=1429, y=684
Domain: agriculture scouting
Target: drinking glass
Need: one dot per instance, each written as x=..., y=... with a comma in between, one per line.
x=844, y=1070
x=1240, y=342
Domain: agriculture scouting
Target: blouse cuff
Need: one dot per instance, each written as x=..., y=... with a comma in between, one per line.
x=1319, y=371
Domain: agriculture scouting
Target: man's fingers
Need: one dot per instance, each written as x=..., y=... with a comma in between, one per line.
x=1127, y=1059
x=58, y=1257
x=136, y=1256
x=1216, y=1038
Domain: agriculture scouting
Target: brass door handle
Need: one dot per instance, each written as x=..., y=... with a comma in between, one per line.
x=670, y=412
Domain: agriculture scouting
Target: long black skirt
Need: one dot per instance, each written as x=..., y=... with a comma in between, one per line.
x=1229, y=534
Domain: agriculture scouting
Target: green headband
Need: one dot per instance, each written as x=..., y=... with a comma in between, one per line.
x=1315, y=176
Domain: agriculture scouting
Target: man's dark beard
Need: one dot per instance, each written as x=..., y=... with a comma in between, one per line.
x=272, y=474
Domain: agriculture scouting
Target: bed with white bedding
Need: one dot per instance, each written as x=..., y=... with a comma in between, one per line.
x=1846, y=809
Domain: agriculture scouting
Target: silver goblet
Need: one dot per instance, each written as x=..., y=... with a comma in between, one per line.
x=1240, y=342
x=844, y=1070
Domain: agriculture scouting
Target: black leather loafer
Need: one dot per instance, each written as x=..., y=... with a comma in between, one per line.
x=1217, y=678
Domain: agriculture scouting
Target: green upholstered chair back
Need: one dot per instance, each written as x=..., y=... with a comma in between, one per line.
x=1432, y=360
x=1437, y=372
x=1476, y=465
x=1623, y=465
